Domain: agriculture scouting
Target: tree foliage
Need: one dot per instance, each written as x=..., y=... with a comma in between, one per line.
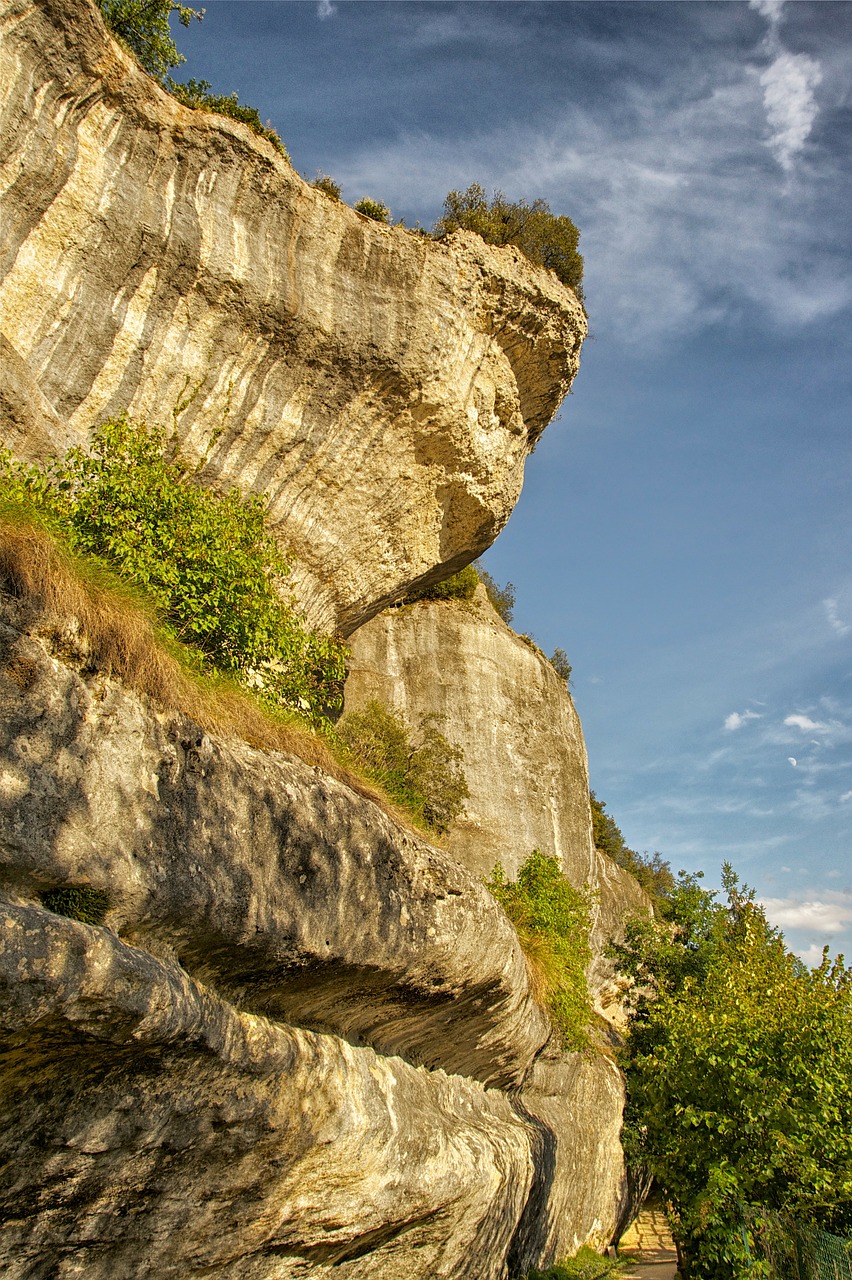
x=552, y=921
x=416, y=766
x=502, y=597
x=739, y=1064
x=373, y=209
x=460, y=586
x=205, y=560
x=545, y=238
x=143, y=25
x=652, y=871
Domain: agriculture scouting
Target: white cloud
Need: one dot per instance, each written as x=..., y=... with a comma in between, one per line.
x=847, y=795
x=834, y=620
x=768, y=9
x=325, y=9
x=824, y=916
x=811, y=956
x=806, y=724
x=791, y=109
x=793, y=761
x=737, y=719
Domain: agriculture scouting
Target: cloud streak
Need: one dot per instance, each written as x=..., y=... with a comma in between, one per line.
x=737, y=719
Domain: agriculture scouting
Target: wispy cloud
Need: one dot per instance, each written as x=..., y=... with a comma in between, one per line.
x=806, y=724
x=831, y=606
x=737, y=719
x=791, y=109
x=325, y=9
x=825, y=916
x=788, y=85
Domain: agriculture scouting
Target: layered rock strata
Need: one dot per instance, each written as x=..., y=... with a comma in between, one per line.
x=525, y=761
x=382, y=389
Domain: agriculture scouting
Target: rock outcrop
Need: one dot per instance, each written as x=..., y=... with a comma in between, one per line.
x=382, y=389
x=525, y=758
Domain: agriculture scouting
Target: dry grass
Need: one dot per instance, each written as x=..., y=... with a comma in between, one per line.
x=543, y=968
x=85, y=611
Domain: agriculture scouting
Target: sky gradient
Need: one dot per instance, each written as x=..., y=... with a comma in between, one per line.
x=684, y=528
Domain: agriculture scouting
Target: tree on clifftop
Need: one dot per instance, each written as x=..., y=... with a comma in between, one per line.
x=143, y=25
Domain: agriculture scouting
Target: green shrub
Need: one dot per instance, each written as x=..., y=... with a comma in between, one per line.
x=502, y=598
x=561, y=665
x=587, y=1265
x=418, y=767
x=652, y=871
x=322, y=182
x=552, y=921
x=461, y=586
x=373, y=209
x=143, y=25
x=547, y=240
x=196, y=94
x=206, y=561
x=79, y=903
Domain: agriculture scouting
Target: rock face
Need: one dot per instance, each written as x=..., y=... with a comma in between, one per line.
x=525, y=759
x=525, y=762
x=268, y=1016
x=383, y=390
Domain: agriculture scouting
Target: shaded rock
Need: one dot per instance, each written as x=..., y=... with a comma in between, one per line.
x=276, y=885
x=152, y=1130
x=382, y=389
x=580, y=1187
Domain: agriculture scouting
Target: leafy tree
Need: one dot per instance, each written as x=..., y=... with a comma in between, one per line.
x=373, y=209
x=739, y=1062
x=418, y=767
x=206, y=560
x=143, y=25
x=502, y=598
x=552, y=921
x=544, y=238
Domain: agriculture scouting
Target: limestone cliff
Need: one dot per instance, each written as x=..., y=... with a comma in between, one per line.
x=383, y=390
x=502, y=702
x=223, y=1078
x=303, y=1040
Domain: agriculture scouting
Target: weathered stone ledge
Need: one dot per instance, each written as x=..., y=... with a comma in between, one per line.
x=267, y=880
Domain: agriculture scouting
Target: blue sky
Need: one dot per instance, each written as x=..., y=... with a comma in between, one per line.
x=684, y=527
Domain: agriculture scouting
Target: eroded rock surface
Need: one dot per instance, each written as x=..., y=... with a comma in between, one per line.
x=150, y=1129
x=266, y=879
x=382, y=389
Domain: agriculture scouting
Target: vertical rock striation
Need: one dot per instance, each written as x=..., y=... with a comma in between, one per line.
x=382, y=389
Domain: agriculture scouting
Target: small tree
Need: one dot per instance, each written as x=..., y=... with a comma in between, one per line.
x=547, y=240
x=502, y=598
x=739, y=1064
x=322, y=182
x=143, y=25
x=373, y=209
x=561, y=665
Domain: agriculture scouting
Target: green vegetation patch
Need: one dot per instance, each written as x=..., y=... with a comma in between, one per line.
x=552, y=921
x=587, y=1265
x=545, y=238
x=417, y=767
x=206, y=561
x=373, y=209
x=196, y=94
x=652, y=871
x=739, y=1062
x=461, y=586
x=78, y=903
